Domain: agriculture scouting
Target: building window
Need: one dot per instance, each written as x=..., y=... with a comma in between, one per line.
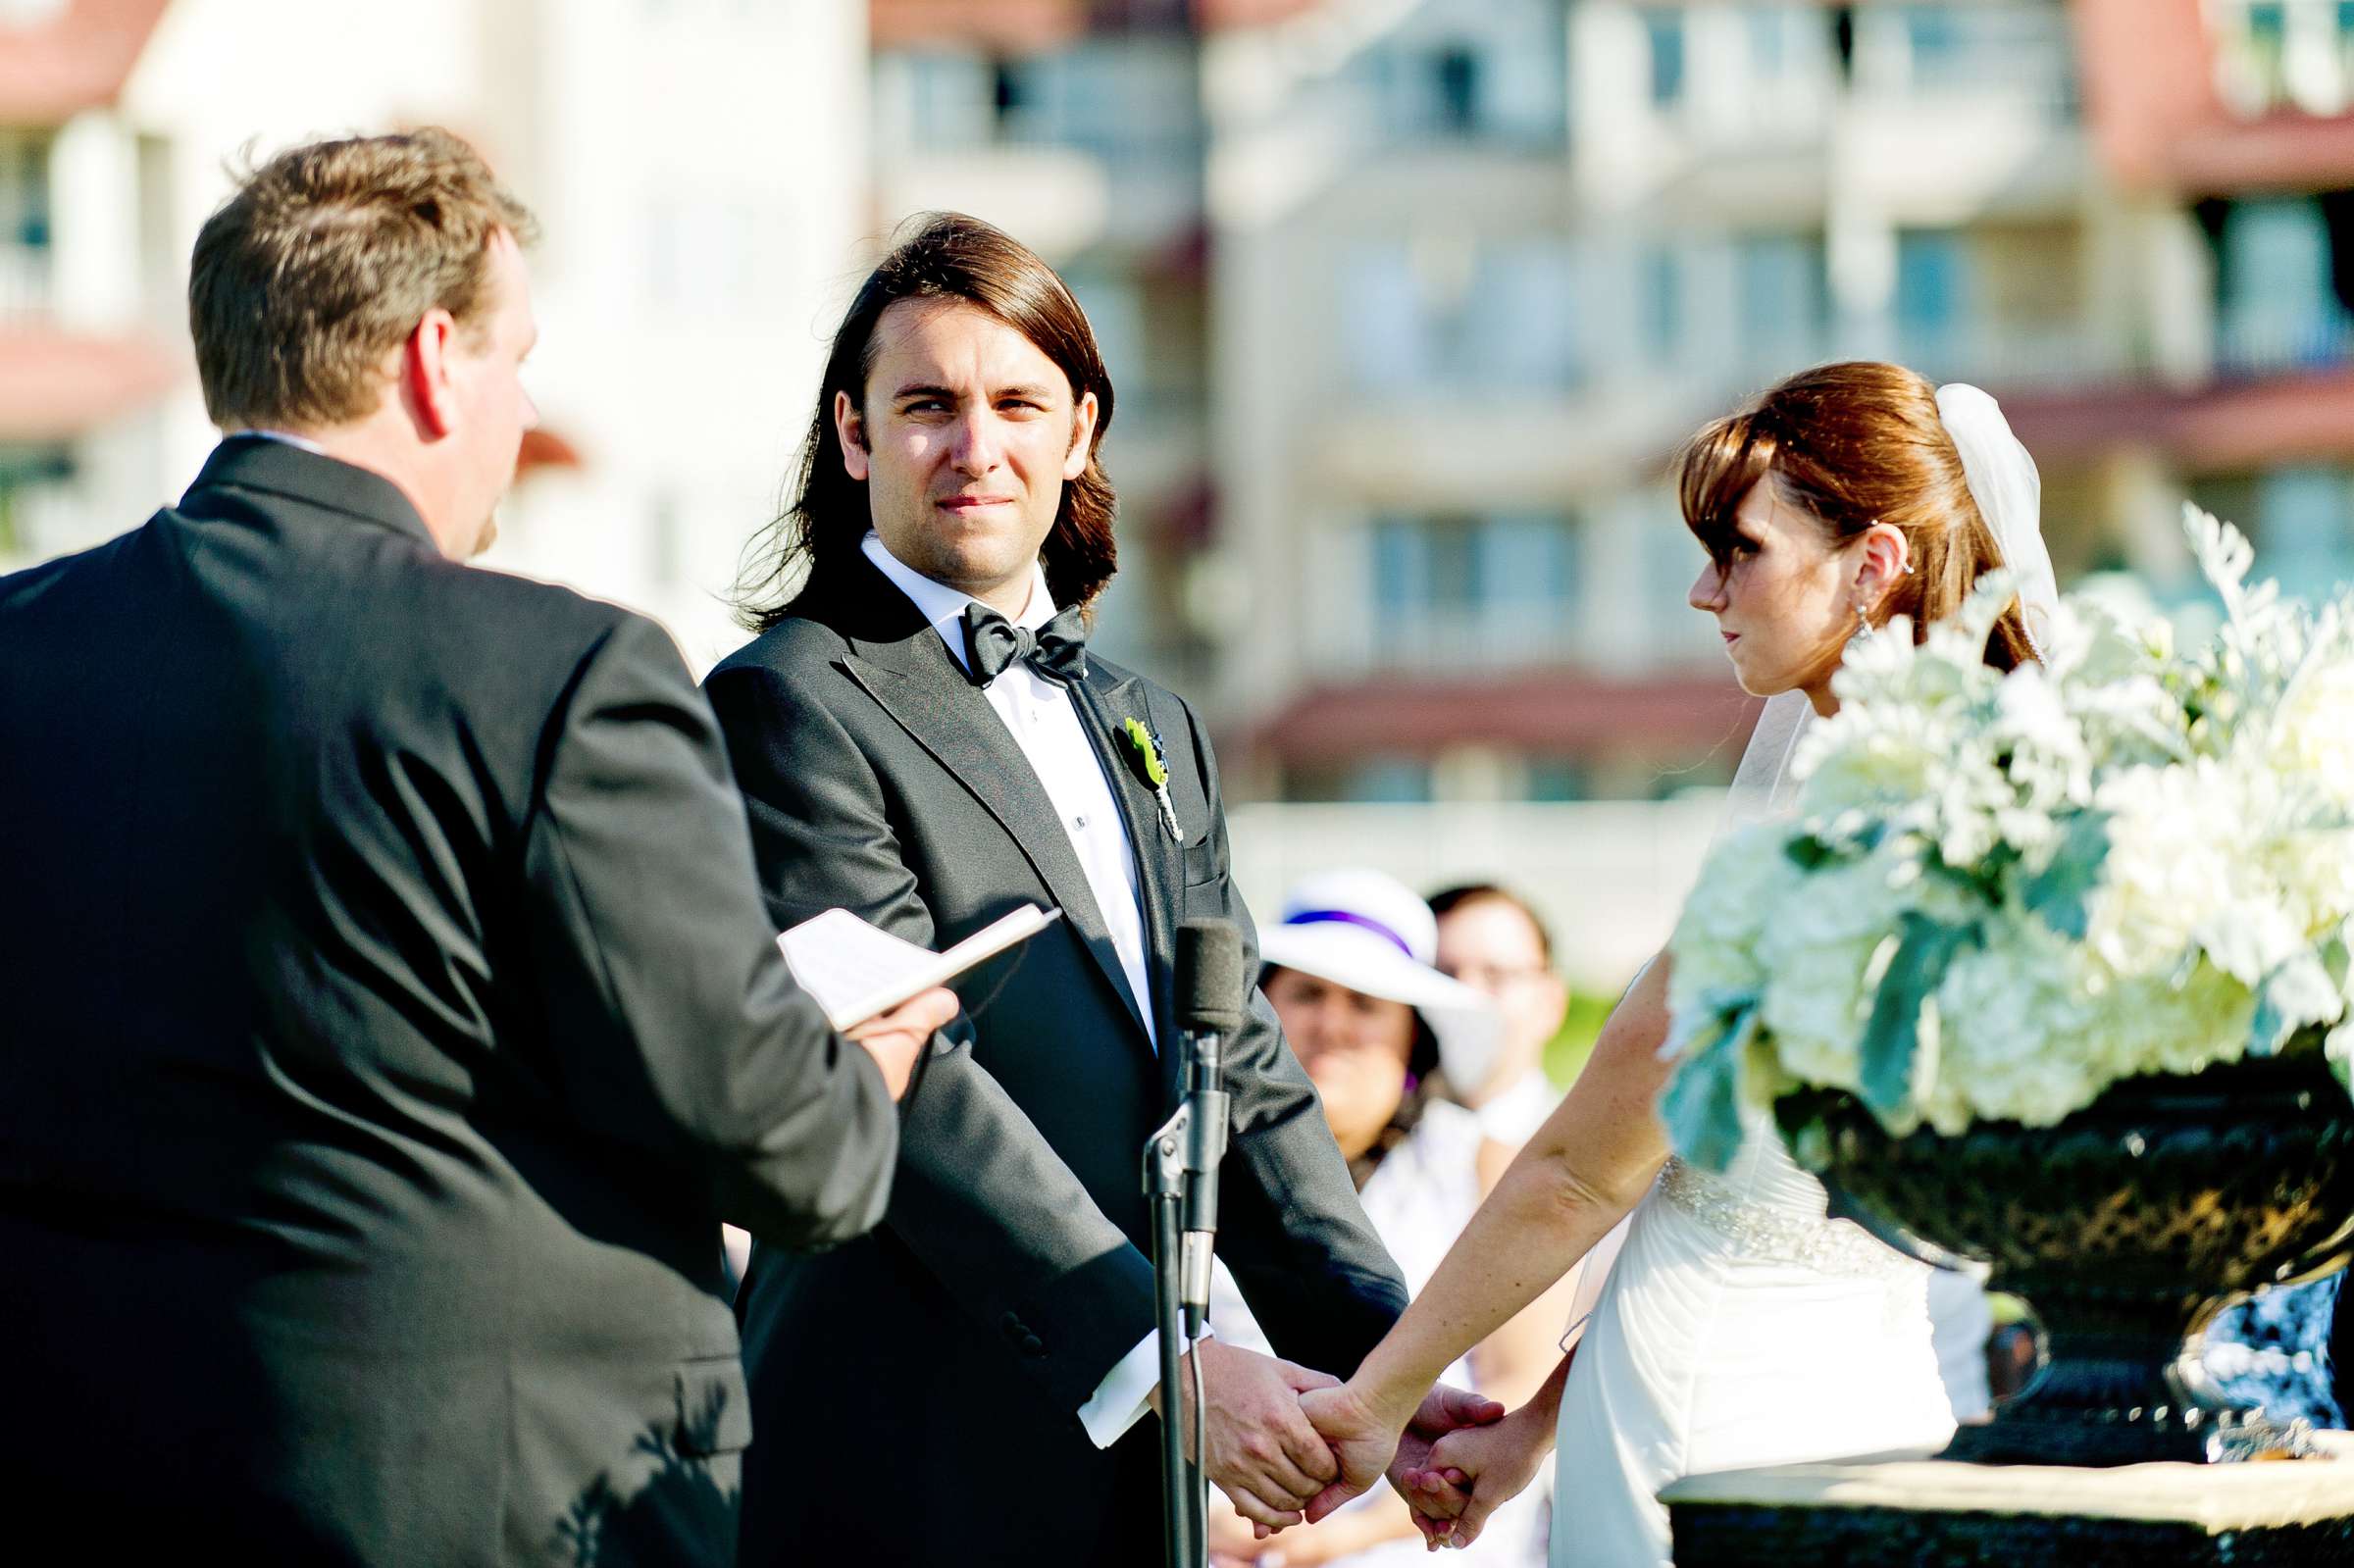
x=1009, y=90
x=1936, y=45
x=1457, y=84
x=1452, y=315
x=2278, y=303
x=1485, y=589
x=24, y=471
x=2293, y=55
x=1388, y=781
x=1663, y=287
x=1931, y=294
x=1552, y=779
x=2304, y=530
x=24, y=255
x=1496, y=72
x=937, y=98
x=1665, y=27
x=1786, y=299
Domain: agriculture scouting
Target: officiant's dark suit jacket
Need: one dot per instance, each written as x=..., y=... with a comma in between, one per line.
x=952, y=1348
x=388, y=1018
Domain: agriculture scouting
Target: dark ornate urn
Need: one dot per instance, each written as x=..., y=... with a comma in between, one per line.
x=2126, y=1227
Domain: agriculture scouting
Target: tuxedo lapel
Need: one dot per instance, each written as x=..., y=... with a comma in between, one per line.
x=927, y=695
x=1104, y=705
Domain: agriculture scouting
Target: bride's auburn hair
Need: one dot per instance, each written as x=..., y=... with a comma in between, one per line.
x=1854, y=444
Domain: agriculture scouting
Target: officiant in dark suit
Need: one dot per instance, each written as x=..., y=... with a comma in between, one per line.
x=392, y=1014
x=924, y=737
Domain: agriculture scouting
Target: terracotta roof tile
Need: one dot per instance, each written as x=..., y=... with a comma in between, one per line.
x=78, y=59
x=55, y=386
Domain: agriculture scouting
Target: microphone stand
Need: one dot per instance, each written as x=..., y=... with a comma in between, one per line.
x=1184, y=1492
x=1181, y=1186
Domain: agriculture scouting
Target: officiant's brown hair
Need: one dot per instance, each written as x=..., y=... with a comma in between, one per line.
x=1854, y=444
x=941, y=256
x=322, y=261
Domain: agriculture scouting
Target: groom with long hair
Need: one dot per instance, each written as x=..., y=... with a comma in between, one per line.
x=925, y=737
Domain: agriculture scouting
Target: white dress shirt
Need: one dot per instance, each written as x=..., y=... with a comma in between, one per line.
x=288, y=438
x=1050, y=731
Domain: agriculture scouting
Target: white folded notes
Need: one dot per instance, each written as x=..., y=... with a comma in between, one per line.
x=857, y=970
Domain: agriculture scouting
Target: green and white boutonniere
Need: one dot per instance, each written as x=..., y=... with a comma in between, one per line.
x=1143, y=755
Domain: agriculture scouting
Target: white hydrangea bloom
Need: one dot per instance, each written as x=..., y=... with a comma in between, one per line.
x=2133, y=852
x=1714, y=949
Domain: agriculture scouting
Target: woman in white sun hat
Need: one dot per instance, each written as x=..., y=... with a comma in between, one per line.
x=1349, y=971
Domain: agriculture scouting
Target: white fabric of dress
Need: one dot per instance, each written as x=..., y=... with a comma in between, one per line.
x=1739, y=1328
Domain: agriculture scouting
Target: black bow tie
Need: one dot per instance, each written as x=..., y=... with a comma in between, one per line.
x=1056, y=650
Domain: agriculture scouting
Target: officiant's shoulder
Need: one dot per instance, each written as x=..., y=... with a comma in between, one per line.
x=483, y=616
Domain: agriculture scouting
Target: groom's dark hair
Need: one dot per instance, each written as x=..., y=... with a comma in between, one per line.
x=951, y=257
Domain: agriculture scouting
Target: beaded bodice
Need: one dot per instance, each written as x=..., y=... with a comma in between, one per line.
x=1770, y=1210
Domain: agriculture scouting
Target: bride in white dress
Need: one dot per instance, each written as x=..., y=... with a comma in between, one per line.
x=1739, y=1327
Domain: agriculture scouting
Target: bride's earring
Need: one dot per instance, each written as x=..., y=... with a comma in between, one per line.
x=1865, y=630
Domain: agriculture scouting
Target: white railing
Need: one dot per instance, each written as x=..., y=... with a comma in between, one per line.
x=1496, y=638
x=2294, y=55
x=2017, y=51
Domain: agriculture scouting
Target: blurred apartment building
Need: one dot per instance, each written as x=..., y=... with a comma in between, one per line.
x=1078, y=126
x=2225, y=130
x=1465, y=272
x=699, y=166
x=1484, y=264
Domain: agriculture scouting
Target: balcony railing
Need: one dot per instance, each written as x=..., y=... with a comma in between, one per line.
x=1496, y=637
x=2283, y=55
x=2020, y=53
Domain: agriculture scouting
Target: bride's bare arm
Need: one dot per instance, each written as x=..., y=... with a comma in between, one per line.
x=1587, y=1166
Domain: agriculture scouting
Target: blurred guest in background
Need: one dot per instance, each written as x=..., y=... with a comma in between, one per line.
x=1492, y=941
x=1349, y=974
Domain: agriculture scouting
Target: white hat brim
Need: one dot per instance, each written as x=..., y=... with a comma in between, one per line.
x=1465, y=1021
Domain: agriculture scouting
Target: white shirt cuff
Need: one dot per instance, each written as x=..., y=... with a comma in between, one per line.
x=1126, y=1391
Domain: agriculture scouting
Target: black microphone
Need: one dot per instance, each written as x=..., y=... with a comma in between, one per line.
x=1210, y=992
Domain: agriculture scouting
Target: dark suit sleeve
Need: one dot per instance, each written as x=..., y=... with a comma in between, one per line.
x=981, y=1199
x=1291, y=1229
x=675, y=1022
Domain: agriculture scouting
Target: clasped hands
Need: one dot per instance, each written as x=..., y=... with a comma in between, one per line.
x=1287, y=1443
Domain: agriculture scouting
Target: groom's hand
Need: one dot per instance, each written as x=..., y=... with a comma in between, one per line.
x=1262, y=1453
x=1366, y=1443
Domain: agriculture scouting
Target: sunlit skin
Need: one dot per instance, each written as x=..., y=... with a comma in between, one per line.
x=486, y=385
x=1491, y=947
x=964, y=438
x=449, y=426
x=1788, y=599
x=1355, y=1048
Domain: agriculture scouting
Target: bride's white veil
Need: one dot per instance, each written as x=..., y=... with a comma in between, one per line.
x=2010, y=494
x=2009, y=491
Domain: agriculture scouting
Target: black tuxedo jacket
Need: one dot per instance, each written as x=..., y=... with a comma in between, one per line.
x=391, y=1018
x=955, y=1345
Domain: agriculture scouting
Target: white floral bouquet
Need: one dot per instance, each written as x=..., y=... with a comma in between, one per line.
x=1999, y=895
